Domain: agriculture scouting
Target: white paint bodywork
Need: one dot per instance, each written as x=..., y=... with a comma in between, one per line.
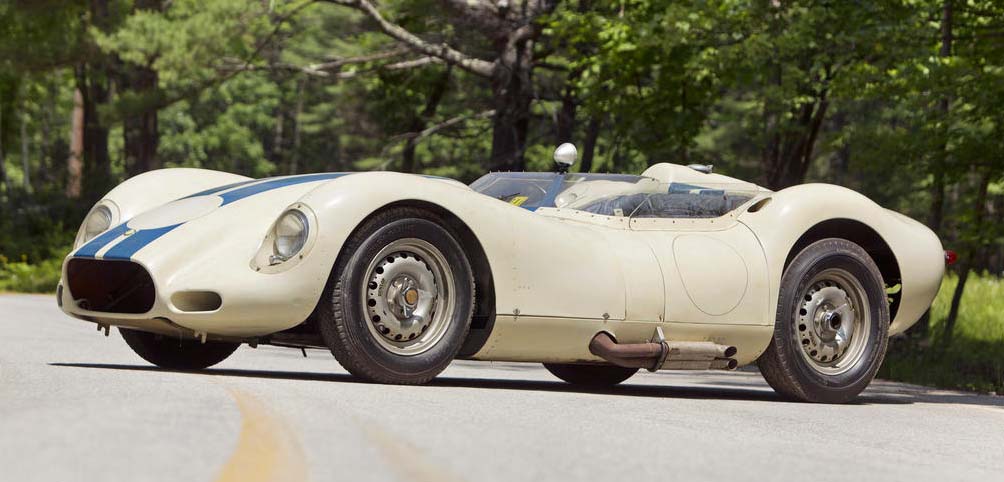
x=560, y=275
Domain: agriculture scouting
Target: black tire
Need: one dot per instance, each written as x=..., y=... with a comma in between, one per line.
x=176, y=354
x=590, y=375
x=792, y=371
x=344, y=321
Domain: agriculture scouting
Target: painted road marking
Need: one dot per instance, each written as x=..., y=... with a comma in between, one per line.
x=266, y=449
x=409, y=461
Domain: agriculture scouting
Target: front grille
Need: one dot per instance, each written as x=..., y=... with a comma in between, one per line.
x=110, y=286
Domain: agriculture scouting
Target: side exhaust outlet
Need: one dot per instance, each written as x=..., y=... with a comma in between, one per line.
x=660, y=354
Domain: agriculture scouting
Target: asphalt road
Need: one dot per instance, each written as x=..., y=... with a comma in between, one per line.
x=76, y=406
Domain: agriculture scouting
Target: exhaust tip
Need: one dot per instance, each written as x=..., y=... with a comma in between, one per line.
x=733, y=364
x=730, y=352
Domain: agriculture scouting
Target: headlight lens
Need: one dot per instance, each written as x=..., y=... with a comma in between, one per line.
x=97, y=222
x=290, y=234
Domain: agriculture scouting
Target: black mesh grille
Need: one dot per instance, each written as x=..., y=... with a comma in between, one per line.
x=110, y=286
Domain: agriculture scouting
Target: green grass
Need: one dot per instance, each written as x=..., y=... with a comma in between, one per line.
x=30, y=278
x=975, y=360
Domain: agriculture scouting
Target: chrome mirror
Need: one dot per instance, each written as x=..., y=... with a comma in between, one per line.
x=565, y=156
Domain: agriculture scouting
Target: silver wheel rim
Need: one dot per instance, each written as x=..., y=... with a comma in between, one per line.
x=407, y=296
x=833, y=322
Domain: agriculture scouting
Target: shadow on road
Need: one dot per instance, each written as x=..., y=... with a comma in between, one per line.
x=721, y=387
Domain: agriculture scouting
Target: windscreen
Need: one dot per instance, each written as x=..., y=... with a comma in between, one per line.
x=661, y=200
x=524, y=189
x=614, y=194
x=532, y=190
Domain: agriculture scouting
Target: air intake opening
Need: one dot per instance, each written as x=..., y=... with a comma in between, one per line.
x=110, y=286
x=197, y=300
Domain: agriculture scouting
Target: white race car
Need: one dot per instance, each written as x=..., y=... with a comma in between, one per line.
x=594, y=275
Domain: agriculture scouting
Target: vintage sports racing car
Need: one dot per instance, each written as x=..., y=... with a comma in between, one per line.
x=594, y=275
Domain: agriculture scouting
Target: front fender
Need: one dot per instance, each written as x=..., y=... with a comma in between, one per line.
x=537, y=261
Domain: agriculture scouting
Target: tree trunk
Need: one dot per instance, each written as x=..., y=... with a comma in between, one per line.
x=25, y=163
x=46, y=163
x=3, y=165
x=790, y=157
x=512, y=92
x=93, y=77
x=420, y=122
x=970, y=257
x=936, y=210
x=953, y=311
x=511, y=99
x=936, y=214
x=565, y=125
x=75, y=163
x=97, y=176
x=589, y=144
x=139, y=129
x=277, y=136
x=294, y=157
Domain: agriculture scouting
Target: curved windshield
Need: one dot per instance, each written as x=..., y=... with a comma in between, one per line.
x=524, y=189
x=532, y=190
x=672, y=200
x=613, y=194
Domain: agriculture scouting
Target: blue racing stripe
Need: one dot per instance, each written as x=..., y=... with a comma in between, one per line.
x=221, y=188
x=130, y=245
x=92, y=247
x=238, y=194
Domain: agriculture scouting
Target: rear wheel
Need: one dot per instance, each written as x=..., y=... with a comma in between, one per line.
x=832, y=325
x=590, y=375
x=400, y=299
x=174, y=353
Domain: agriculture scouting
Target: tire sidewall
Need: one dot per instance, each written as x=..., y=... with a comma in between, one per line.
x=354, y=314
x=820, y=256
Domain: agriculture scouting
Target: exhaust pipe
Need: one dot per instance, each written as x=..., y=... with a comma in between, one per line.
x=660, y=354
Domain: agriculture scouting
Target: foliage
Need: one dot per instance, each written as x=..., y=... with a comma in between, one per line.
x=902, y=100
x=973, y=361
x=29, y=278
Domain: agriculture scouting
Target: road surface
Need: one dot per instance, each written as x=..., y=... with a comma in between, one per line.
x=77, y=406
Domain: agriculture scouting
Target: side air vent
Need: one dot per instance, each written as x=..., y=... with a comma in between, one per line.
x=195, y=301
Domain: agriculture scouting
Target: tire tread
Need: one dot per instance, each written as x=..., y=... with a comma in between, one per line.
x=776, y=367
x=334, y=317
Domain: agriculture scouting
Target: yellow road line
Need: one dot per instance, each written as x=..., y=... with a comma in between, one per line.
x=408, y=461
x=266, y=450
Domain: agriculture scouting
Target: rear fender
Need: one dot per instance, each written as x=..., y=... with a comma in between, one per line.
x=790, y=213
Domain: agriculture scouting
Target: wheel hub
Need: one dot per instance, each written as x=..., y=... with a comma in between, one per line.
x=826, y=322
x=401, y=296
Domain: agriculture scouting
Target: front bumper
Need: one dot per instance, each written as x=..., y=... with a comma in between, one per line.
x=225, y=298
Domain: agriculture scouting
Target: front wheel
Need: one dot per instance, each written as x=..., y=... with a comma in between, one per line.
x=832, y=325
x=590, y=375
x=400, y=299
x=176, y=354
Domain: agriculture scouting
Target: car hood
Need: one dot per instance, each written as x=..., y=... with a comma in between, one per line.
x=211, y=215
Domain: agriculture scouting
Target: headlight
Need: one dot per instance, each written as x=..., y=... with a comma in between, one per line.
x=97, y=222
x=290, y=235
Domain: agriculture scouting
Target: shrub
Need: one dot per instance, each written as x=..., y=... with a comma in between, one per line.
x=30, y=278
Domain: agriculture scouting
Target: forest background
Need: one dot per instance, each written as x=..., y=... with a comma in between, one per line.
x=902, y=100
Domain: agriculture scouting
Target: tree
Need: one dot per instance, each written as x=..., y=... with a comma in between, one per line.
x=511, y=31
